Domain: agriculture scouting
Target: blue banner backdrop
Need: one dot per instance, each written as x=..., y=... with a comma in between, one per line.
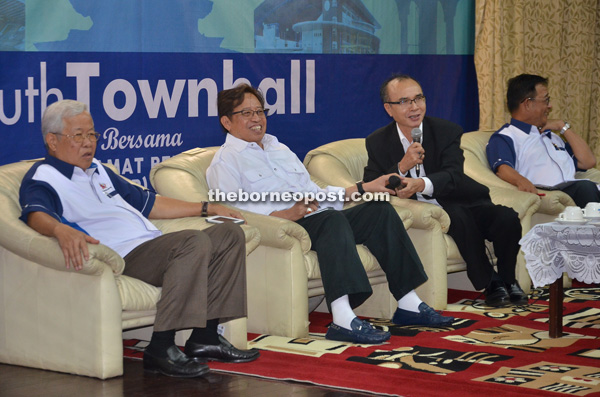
x=148, y=106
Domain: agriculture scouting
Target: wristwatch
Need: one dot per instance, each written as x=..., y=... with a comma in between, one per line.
x=360, y=188
x=565, y=128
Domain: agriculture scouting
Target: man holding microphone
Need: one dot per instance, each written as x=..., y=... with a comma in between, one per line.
x=426, y=152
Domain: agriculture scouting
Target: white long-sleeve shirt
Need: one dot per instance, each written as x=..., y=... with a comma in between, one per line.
x=244, y=168
x=412, y=173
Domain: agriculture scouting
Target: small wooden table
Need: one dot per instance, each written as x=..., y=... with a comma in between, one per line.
x=552, y=249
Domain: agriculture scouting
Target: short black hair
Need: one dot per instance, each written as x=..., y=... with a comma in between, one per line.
x=383, y=91
x=227, y=100
x=522, y=87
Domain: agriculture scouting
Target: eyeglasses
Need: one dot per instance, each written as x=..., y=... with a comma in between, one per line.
x=547, y=100
x=405, y=102
x=78, y=138
x=247, y=113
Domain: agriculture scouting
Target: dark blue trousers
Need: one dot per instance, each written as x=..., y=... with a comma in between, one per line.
x=583, y=192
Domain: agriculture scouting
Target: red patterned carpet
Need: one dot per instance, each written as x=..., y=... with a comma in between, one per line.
x=501, y=351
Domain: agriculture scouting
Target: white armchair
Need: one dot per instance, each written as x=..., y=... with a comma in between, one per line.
x=283, y=272
x=342, y=162
x=72, y=321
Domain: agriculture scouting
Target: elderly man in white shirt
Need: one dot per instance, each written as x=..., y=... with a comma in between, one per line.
x=252, y=162
x=72, y=197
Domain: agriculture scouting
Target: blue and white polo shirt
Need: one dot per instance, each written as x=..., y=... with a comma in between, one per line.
x=544, y=159
x=96, y=201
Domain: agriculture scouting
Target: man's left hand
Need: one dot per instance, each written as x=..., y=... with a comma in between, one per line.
x=410, y=186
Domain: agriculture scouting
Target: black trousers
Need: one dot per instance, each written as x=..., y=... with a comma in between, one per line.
x=334, y=235
x=583, y=192
x=471, y=225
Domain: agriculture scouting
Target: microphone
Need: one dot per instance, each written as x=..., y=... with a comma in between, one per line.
x=393, y=182
x=416, y=135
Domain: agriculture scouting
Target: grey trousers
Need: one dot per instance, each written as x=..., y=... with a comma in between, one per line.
x=202, y=274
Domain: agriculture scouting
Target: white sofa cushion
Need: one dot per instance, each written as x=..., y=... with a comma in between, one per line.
x=136, y=294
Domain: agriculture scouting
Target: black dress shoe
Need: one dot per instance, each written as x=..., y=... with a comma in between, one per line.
x=175, y=364
x=224, y=352
x=496, y=294
x=517, y=296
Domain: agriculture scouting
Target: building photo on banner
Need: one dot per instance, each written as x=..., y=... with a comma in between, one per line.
x=151, y=71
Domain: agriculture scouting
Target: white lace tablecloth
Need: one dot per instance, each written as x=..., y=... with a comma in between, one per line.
x=552, y=248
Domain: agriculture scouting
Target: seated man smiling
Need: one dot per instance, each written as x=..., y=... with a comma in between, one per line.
x=253, y=161
x=72, y=197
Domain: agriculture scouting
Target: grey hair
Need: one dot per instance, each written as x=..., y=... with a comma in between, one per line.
x=52, y=120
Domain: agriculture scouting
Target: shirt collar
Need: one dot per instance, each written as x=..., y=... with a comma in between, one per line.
x=523, y=126
x=404, y=139
x=238, y=144
x=65, y=168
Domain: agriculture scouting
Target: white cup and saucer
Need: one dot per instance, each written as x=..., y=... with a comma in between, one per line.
x=572, y=215
x=591, y=212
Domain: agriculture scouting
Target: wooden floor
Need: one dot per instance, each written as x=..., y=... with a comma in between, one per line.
x=26, y=382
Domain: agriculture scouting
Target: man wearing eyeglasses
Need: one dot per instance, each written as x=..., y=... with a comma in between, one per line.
x=72, y=197
x=527, y=154
x=253, y=161
x=431, y=167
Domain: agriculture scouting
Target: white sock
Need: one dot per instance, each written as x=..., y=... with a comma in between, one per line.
x=410, y=302
x=342, y=312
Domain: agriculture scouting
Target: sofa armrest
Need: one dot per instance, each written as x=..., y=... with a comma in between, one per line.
x=46, y=252
x=262, y=229
x=251, y=234
x=179, y=224
x=25, y=242
x=172, y=180
x=278, y=232
x=424, y=215
x=523, y=203
x=554, y=202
